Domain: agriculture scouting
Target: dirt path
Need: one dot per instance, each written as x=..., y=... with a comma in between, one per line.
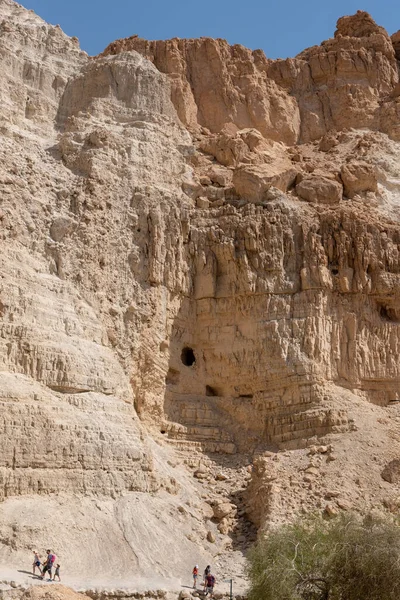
x=23, y=578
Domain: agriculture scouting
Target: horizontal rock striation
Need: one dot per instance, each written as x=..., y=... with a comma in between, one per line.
x=201, y=245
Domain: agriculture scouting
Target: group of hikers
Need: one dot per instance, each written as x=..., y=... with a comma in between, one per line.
x=208, y=580
x=48, y=565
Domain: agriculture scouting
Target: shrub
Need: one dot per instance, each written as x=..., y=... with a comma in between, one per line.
x=347, y=558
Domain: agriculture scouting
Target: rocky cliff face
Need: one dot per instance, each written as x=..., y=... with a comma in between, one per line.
x=199, y=246
x=348, y=81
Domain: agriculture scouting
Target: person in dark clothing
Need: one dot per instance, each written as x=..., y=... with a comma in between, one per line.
x=210, y=585
x=207, y=571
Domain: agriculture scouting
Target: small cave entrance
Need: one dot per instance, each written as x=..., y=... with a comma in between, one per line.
x=334, y=268
x=383, y=313
x=388, y=314
x=210, y=391
x=188, y=357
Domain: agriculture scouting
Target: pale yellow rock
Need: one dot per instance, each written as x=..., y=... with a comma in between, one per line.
x=223, y=509
x=319, y=189
x=331, y=511
x=358, y=177
x=168, y=301
x=252, y=182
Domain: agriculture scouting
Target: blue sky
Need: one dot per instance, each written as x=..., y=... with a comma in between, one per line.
x=280, y=28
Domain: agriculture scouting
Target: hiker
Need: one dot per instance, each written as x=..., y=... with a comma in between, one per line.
x=195, y=573
x=48, y=565
x=210, y=585
x=36, y=562
x=207, y=571
x=57, y=573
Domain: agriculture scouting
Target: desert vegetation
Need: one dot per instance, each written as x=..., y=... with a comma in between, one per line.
x=347, y=558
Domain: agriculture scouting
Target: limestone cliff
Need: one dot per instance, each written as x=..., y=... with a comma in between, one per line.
x=200, y=267
x=348, y=81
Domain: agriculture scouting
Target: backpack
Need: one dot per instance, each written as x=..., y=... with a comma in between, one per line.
x=210, y=580
x=52, y=559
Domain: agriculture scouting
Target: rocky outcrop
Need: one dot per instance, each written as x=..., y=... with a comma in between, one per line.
x=396, y=44
x=343, y=82
x=215, y=85
x=391, y=472
x=359, y=177
x=82, y=199
x=320, y=189
x=199, y=245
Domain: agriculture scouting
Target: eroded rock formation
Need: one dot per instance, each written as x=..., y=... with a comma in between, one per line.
x=199, y=247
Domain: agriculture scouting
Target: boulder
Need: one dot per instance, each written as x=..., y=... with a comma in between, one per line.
x=319, y=189
x=391, y=472
x=220, y=175
x=396, y=43
x=223, y=509
x=210, y=537
x=61, y=227
x=223, y=527
x=344, y=504
x=253, y=181
x=331, y=511
x=359, y=177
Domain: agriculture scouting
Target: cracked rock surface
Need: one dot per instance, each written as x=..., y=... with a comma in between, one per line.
x=199, y=297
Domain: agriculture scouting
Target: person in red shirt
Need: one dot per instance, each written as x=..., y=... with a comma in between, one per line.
x=195, y=575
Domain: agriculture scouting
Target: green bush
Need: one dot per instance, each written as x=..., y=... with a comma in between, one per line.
x=347, y=558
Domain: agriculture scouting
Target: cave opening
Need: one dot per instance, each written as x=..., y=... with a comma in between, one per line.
x=188, y=357
x=210, y=391
x=388, y=314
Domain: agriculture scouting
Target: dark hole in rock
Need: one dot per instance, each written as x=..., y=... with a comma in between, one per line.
x=335, y=271
x=245, y=395
x=388, y=314
x=187, y=357
x=163, y=431
x=210, y=391
x=383, y=312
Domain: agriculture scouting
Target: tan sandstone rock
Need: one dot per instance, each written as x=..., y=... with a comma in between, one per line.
x=169, y=302
x=252, y=182
x=391, y=472
x=319, y=189
x=223, y=509
x=233, y=88
x=358, y=177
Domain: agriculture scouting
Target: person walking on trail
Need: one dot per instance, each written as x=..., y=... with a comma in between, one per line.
x=195, y=574
x=207, y=571
x=48, y=565
x=57, y=573
x=36, y=562
x=210, y=585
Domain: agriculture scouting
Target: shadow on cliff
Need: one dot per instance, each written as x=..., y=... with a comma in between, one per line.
x=198, y=423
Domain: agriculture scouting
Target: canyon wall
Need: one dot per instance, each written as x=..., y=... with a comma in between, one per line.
x=200, y=247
